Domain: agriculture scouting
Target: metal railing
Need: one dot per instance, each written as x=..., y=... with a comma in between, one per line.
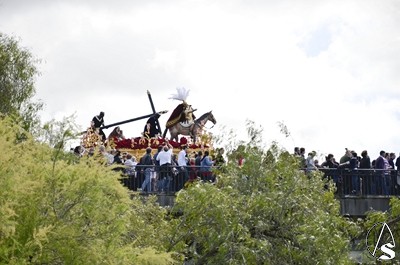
x=163, y=179
x=170, y=179
x=364, y=182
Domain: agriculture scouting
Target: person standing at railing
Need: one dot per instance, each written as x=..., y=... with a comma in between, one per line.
x=391, y=158
x=331, y=165
x=192, y=169
x=147, y=166
x=398, y=163
x=368, y=184
x=206, y=164
x=197, y=163
x=182, y=164
x=365, y=162
x=382, y=177
x=393, y=173
x=346, y=157
x=130, y=171
x=154, y=182
x=174, y=176
x=355, y=178
x=296, y=151
x=302, y=158
x=130, y=164
x=165, y=159
x=219, y=159
x=310, y=165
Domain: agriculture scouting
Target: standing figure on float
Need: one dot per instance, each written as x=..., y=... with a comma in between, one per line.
x=150, y=129
x=183, y=113
x=97, y=122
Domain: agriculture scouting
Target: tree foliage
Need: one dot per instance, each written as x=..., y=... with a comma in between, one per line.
x=18, y=72
x=266, y=212
x=58, y=133
x=392, y=218
x=56, y=212
x=56, y=209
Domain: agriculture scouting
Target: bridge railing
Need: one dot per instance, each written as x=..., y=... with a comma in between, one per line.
x=170, y=179
x=363, y=182
x=163, y=179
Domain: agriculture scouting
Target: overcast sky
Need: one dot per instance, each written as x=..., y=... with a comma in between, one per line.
x=329, y=70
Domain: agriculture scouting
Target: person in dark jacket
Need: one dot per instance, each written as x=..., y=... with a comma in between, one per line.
x=97, y=123
x=382, y=177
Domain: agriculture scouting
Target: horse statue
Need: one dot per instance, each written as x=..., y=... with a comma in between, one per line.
x=194, y=129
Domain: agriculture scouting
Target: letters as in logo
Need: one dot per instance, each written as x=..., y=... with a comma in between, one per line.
x=380, y=242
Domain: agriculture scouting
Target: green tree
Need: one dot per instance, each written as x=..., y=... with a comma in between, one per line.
x=58, y=133
x=57, y=212
x=266, y=212
x=18, y=72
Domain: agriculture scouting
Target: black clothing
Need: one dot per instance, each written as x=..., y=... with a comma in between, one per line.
x=98, y=121
x=329, y=164
x=365, y=162
x=117, y=160
x=146, y=161
x=391, y=163
x=398, y=163
x=153, y=127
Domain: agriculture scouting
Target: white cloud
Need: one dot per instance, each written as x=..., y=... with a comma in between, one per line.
x=327, y=69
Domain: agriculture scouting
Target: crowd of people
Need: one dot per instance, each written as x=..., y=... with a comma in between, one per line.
x=378, y=175
x=161, y=169
x=166, y=171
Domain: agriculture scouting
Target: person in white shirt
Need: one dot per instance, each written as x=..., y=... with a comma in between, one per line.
x=109, y=158
x=130, y=170
x=130, y=164
x=182, y=163
x=165, y=157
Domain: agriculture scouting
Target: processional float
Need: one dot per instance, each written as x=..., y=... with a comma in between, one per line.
x=137, y=145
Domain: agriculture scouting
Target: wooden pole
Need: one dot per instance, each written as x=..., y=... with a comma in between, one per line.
x=158, y=127
x=134, y=119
